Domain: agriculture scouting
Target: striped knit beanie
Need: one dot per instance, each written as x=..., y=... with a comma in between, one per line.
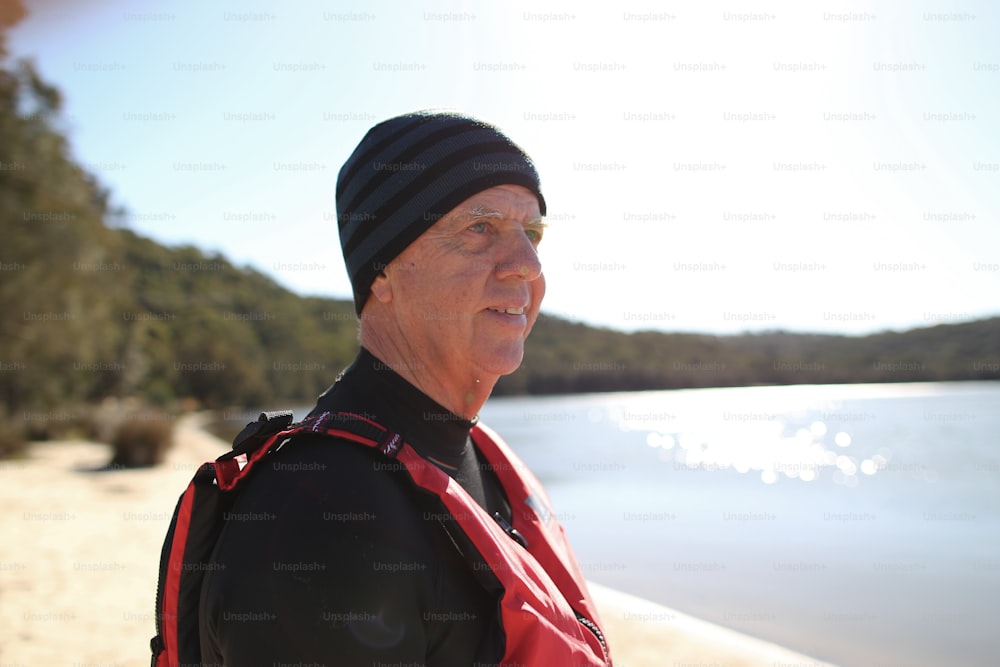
x=406, y=174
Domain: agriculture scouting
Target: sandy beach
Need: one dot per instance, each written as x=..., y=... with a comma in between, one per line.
x=79, y=553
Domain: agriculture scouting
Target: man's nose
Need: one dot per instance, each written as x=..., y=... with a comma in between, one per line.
x=520, y=259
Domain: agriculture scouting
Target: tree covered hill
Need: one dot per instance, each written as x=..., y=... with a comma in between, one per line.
x=565, y=357
x=92, y=310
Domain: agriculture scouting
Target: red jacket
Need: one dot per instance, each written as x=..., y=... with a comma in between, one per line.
x=547, y=613
x=545, y=594
x=548, y=617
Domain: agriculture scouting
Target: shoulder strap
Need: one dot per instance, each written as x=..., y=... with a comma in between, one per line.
x=273, y=429
x=360, y=429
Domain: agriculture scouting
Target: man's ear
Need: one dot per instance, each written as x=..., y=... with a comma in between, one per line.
x=381, y=288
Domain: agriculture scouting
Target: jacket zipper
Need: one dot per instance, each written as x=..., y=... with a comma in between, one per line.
x=584, y=621
x=590, y=625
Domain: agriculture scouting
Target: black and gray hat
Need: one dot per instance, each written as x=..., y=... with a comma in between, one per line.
x=407, y=173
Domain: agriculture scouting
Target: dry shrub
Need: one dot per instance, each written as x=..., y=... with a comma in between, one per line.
x=13, y=443
x=74, y=423
x=142, y=440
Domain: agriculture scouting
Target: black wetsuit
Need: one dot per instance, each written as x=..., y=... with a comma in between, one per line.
x=332, y=557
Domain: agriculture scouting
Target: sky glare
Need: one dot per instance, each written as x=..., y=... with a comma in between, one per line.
x=708, y=166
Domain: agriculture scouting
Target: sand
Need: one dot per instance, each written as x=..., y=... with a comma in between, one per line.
x=79, y=553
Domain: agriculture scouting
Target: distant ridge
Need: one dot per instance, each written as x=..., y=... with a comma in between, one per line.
x=568, y=357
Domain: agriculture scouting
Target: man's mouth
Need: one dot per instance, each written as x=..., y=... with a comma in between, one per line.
x=508, y=311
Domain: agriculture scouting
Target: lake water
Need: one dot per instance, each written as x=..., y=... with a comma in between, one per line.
x=858, y=524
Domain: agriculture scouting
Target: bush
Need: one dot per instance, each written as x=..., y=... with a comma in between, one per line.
x=71, y=423
x=142, y=440
x=12, y=439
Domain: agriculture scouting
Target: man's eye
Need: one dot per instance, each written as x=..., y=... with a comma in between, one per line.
x=534, y=234
x=478, y=227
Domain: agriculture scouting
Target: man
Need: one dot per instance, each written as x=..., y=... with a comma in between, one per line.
x=339, y=554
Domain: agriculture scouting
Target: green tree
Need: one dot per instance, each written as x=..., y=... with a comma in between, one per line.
x=56, y=290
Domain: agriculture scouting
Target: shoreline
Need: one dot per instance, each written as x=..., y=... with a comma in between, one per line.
x=645, y=633
x=80, y=555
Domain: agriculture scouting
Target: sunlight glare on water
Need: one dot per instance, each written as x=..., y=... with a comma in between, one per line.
x=765, y=442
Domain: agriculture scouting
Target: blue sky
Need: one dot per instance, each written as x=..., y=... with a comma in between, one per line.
x=829, y=167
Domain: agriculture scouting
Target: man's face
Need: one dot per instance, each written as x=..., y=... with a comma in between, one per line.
x=466, y=293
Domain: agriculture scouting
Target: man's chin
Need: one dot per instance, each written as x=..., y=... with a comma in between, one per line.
x=501, y=362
